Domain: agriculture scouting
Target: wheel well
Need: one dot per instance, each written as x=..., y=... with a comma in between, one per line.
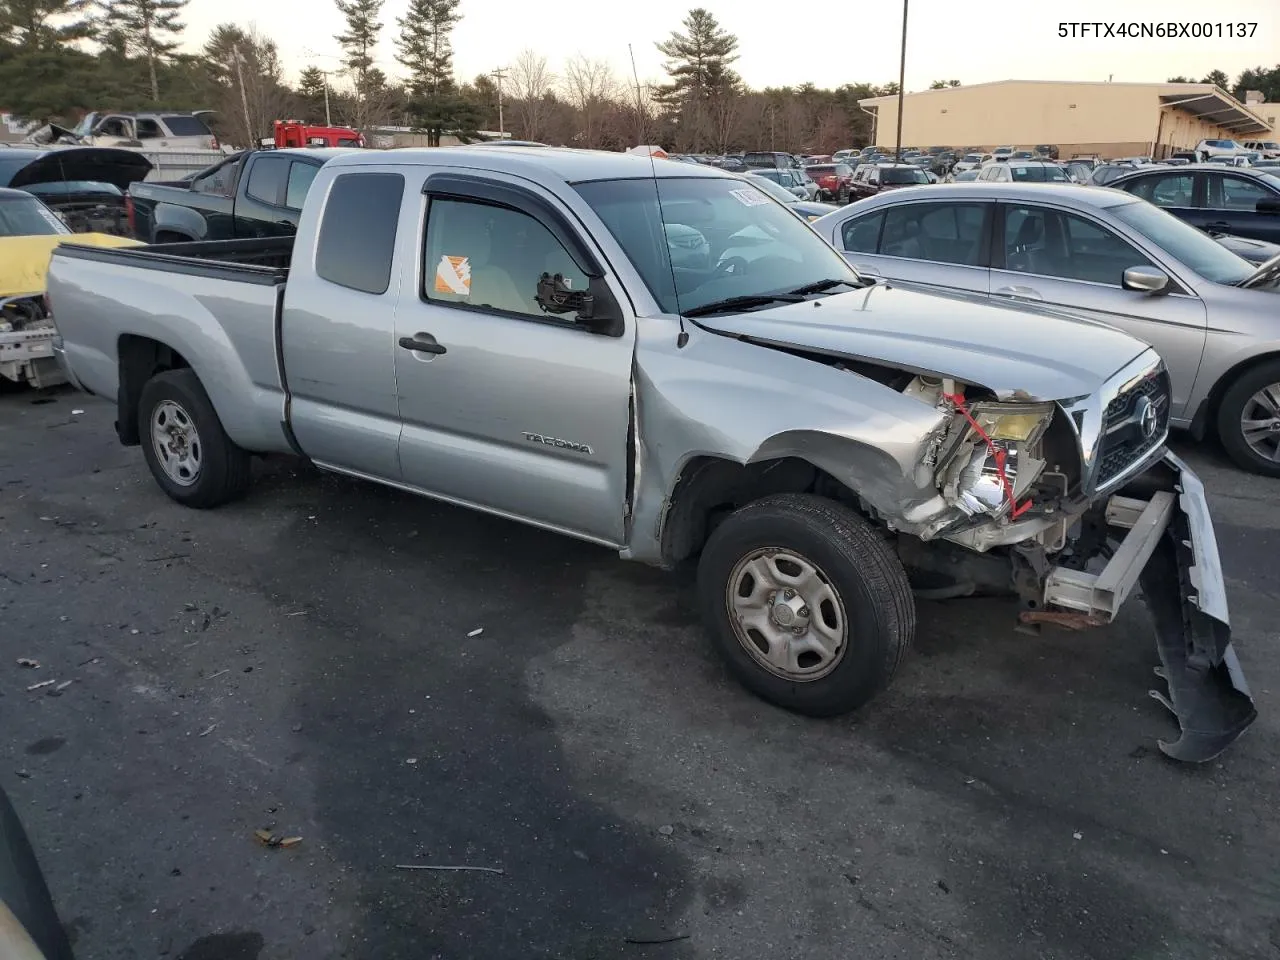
x=1205, y=419
x=710, y=488
x=140, y=359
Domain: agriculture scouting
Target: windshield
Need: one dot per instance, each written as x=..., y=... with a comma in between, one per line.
x=28, y=217
x=755, y=246
x=774, y=189
x=1038, y=174
x=1195, y=249
x=903, y=175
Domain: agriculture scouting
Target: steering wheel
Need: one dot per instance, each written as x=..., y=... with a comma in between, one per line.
x=730, y=267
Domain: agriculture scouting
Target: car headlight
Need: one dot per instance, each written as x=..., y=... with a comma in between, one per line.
x=997, y=460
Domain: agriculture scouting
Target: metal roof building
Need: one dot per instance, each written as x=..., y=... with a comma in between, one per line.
x=1108, y=119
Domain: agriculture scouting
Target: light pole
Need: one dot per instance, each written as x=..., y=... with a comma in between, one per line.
x=499, y=75
x=902, y=79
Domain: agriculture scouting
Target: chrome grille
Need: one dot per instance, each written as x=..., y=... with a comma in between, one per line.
x=1127, y=435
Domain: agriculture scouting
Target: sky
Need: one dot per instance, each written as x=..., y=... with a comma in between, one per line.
x=825, y=45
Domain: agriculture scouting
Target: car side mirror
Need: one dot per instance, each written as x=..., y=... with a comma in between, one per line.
x=594, y=309
x=1145, y=280
x=1268, y=205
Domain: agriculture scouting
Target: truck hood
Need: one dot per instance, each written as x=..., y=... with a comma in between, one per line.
x=1016, y=351
x=24, y=261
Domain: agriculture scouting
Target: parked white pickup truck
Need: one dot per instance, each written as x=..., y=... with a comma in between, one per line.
x=660, y=358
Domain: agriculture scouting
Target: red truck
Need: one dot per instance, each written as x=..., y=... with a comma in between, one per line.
x=295, y=133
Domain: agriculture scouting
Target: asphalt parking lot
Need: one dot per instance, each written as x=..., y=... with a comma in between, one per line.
x=303, y=662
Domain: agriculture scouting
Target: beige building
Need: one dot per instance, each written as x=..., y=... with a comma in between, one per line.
x=1108, y=119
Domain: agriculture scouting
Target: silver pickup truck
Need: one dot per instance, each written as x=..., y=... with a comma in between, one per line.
x=660, y=358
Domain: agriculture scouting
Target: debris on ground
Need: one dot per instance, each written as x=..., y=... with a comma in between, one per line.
x=29, y=663
x=269, y=839
x=476, y=632
x=43, y=683
x=428, y=866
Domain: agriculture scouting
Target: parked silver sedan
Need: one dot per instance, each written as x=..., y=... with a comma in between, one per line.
x=1105, y=256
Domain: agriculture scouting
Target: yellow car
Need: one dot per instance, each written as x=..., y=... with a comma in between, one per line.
x=28, y=233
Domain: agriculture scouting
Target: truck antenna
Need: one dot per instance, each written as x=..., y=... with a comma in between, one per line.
x=683, y=338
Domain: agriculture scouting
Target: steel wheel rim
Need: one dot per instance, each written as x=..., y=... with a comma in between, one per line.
x=787, y=614
x=176, y=443
x=1260, y=422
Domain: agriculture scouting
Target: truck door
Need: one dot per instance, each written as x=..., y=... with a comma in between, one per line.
x=504, y=406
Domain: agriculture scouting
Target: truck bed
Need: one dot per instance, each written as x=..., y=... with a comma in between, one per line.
x=213, y=306
x=256, y=260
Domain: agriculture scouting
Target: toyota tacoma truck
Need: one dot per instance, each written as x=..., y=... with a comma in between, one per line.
x=510, y=330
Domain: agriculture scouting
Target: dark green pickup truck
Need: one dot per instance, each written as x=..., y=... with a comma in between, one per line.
x=256, y=193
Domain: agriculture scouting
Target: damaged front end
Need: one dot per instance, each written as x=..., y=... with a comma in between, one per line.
x=1072, y=506
x=1168, y=547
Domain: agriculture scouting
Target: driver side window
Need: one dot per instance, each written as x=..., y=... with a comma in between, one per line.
x=478, y=255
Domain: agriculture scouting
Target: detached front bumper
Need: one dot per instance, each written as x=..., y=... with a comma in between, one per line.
x=1168, y=547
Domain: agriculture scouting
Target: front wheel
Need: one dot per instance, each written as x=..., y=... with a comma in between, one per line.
x=1249, y=420
x=807, y=602
x=189, y=453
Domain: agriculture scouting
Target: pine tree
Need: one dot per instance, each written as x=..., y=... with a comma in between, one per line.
x=148, y=27
x=44, y=24
x=361, y=36
x=313, y=88
x=698, y=62
x=424, y=49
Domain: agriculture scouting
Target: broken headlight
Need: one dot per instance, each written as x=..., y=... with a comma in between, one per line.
x=997, y=459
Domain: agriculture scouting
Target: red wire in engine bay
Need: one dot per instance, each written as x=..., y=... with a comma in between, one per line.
x=999, y=453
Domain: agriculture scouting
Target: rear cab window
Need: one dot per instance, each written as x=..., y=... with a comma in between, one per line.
x=181, y=126
x=357, y=236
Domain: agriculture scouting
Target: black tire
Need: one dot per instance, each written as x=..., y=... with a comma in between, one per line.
x=23, y=889
x=224, y=472
x=1232, y=409
x=879, y=609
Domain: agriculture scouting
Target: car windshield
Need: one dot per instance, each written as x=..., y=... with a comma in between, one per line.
x=28, y=217
x=1045, y=174
x=773, y=189
x=1191, y=246
x=903, y=175
x=757, y=247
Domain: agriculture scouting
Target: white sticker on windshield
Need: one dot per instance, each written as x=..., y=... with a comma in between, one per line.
x=749, y=197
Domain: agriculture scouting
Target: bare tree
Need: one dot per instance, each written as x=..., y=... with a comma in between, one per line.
x=530, y=88
x=251, y=93
x=590, y=86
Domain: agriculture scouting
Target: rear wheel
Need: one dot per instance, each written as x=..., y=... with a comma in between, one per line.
x=188, y=451
x=807, y=603
x=1249, y=420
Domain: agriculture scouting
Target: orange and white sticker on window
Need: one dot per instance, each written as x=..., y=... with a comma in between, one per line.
x=453, y=275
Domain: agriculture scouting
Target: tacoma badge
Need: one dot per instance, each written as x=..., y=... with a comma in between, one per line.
x=556, y=442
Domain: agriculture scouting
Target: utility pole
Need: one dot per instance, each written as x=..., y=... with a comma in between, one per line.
x=328, y=122
x=244, y=99
x=499, y=75
x=902, y=81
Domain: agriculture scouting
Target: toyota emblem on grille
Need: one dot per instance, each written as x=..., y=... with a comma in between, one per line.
x=1148, y=419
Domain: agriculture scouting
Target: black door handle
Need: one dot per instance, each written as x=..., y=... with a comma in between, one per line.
x=422, y=343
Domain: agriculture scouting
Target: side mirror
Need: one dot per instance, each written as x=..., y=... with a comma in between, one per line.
x=594, y=309
x=1268, y=205
x=1145, y=280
